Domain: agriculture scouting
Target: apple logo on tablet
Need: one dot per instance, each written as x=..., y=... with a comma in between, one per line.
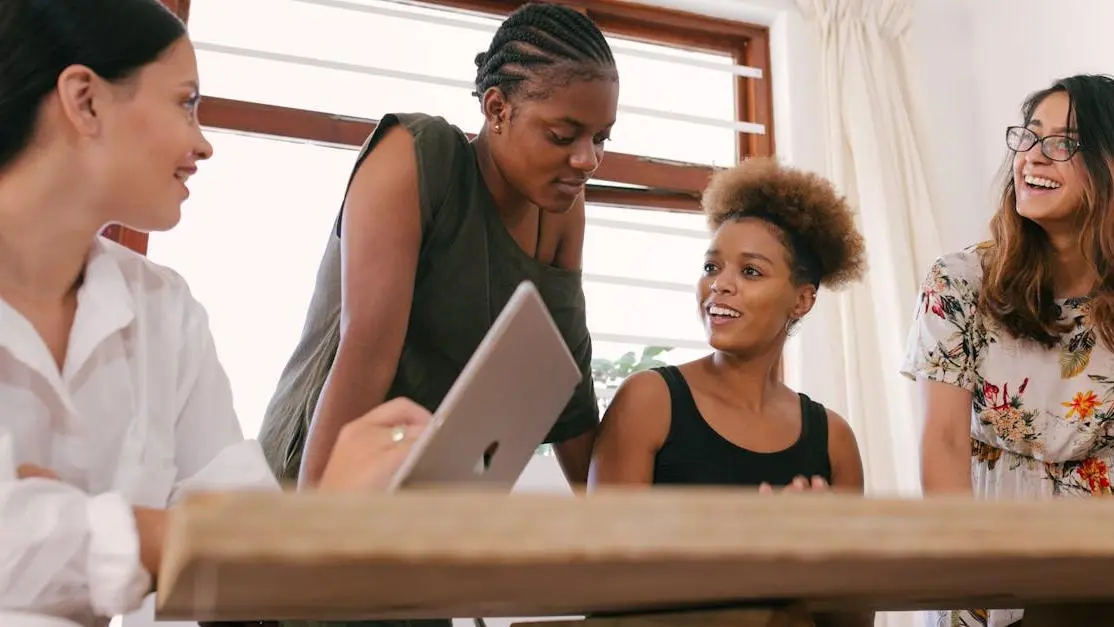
x=484, y=463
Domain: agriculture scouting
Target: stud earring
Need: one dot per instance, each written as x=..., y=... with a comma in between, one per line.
x=498, y=128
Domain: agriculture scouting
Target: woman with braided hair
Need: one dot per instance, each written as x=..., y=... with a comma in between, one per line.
x=437, y=231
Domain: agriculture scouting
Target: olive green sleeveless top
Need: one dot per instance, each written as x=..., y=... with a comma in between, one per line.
x=468, y=267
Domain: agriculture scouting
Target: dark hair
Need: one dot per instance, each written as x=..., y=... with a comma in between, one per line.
x=815, y=224
x=41, y=38
x=1017, y=288
x=542, y=36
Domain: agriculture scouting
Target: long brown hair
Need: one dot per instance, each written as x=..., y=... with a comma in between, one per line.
x=1017, y=286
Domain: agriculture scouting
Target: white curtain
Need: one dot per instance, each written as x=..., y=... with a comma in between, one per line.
x=854, y=339
x=850, y=348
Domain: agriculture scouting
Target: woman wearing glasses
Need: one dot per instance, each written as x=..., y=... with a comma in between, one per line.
x=1012, y=340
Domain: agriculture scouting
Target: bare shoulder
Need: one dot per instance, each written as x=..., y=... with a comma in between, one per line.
x=633, y=431
x=843, y=451
x=643, y=386
x=839, y=430
x=639, y=409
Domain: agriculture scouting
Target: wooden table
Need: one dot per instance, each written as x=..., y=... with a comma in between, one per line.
x=426, y=554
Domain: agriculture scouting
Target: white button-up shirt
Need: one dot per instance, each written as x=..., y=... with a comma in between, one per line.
x=140, y=413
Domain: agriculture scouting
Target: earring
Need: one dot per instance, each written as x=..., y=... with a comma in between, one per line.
x=791, y=326
x=497, y=128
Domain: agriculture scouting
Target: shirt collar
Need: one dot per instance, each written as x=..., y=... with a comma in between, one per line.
x=105, y=305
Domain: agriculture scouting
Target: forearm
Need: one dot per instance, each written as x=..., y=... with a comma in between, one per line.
x=65, y=551
x=150, y=524
x=946, y=465
x=354, y=387
x=575, y=456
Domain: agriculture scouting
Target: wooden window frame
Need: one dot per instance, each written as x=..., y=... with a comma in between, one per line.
x=669, y=185
x=748, y=44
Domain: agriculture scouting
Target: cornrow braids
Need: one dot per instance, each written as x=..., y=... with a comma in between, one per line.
x=541, y=37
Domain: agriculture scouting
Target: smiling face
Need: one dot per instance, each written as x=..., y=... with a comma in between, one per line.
x=1049, y=192
x=747, y=294
x=548, y=148
x=140, y=137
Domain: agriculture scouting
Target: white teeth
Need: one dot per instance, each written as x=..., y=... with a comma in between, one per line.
x=1038, y=181
x=716, y=310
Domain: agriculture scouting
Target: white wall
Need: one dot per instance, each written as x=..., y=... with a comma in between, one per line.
x=978, y=60
x=942, y=50
x=1025, y=48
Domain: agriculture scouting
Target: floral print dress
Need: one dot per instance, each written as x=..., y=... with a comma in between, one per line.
x=1042, y=420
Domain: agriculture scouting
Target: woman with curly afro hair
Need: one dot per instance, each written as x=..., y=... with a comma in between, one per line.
x=778, y=235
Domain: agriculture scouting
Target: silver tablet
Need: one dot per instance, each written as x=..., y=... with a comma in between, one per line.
x=499, y=410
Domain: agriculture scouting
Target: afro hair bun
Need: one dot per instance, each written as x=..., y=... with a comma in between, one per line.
x=805, y=206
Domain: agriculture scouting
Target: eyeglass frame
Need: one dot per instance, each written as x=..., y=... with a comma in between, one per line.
x=1037, y=139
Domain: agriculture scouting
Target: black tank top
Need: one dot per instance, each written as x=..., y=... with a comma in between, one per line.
x=695, y=454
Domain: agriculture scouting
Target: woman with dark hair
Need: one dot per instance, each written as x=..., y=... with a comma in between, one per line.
x=1012, y=340
x=114, y=403
x=437, y=231
x=778, y=235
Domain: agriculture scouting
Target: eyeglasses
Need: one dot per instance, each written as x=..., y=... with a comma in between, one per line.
x=1055, y=147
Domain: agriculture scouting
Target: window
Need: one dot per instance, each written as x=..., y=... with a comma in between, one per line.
x=249, y=243
x=326, y=84
x=351, y=74
x=640, y=271
x=285, y=115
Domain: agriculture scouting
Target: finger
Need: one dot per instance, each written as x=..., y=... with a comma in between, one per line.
x=401, y=435
x=394, y=454
x=799, y=483
x=818, y=483
x=389, y=423
x=390, y=460
x=399, y=411
x=765, y=488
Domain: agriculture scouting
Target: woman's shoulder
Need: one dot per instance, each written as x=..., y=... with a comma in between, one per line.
x=139, y=272
x=964, y=265
x=817, y=413
x=429, y=131
x=445, y=157
x=439, y=146
x=156, y=293
x=956, y=276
